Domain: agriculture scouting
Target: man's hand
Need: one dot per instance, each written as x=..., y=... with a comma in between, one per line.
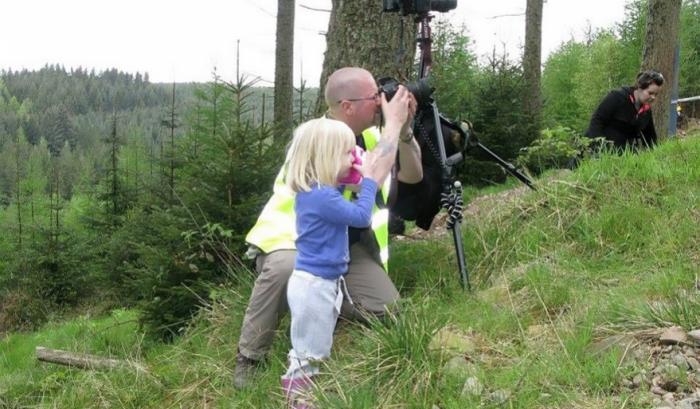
x=412, y=104
x=410, y=166
x=396, y=113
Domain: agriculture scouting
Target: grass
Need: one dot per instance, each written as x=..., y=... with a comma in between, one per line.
x=610, y=248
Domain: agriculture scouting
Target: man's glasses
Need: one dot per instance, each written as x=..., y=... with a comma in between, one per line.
x=374, y=97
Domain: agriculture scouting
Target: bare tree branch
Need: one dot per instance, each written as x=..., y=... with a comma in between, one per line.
x=507, y=15
x=314, y=9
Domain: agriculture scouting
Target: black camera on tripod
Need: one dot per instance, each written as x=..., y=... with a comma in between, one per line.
x=407, y=7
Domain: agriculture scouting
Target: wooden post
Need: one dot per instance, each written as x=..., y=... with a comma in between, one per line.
x=84, y=361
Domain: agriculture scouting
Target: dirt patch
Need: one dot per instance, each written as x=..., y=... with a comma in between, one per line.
x=477, y=208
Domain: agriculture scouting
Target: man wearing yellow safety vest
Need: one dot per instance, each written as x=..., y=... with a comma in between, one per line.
x=353, y=97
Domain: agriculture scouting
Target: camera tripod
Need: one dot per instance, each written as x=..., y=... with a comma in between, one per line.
x=451, y=195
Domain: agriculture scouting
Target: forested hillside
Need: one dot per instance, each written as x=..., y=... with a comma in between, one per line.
x=59, y=103
x=104, y=174
x=76, y=108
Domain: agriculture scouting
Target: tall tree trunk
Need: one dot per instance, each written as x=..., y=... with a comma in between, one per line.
x=30, y=194
x=54, y=206
x=18, y=184
x=532, y=61
x=137, y=144
x=284, y=69
x=301, y=90
x=195, y=134
x=262, y=113
x=172, y=146
x=361, y=35
x=660, y=44
x=114, y=151
x=58, y=204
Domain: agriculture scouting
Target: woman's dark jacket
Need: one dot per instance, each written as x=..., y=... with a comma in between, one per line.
x=619, y=121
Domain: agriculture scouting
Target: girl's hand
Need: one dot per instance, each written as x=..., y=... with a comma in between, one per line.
x=354, y=176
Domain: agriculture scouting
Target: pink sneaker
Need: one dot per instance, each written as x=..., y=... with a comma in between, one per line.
x=293, y=389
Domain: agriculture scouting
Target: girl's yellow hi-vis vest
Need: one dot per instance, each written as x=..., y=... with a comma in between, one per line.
x=276, y=225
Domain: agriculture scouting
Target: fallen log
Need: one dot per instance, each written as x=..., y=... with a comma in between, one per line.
x=84, y=361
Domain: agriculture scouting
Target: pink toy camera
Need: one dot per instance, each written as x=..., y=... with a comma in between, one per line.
x=354, y=177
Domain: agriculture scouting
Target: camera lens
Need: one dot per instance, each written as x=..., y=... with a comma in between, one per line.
x=420, y=89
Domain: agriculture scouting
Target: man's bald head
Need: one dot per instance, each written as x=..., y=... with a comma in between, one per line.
x=345, y=83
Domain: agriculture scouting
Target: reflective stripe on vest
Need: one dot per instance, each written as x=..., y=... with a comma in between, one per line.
x=276, y=225
x=380, y=217
x=275, y=228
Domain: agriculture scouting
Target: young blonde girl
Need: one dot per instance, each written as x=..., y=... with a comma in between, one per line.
x=320, y=155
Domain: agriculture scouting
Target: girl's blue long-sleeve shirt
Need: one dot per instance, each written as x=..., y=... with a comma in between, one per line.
x=322, y=220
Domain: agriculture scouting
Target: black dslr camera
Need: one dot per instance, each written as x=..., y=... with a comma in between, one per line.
x=420, y=89
x=407, y=7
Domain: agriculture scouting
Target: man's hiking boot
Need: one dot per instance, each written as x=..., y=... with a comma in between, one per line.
x=244, y=371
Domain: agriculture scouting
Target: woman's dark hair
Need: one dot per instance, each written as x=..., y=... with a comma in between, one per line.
x=648, y=77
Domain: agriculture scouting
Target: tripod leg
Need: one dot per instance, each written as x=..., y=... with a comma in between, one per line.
x=461, y=261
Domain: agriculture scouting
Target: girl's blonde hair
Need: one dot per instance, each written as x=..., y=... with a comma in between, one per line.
x=317, y=152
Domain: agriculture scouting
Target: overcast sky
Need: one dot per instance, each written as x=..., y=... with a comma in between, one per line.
x=183, y=41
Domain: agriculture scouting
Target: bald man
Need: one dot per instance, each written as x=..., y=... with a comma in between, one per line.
x=361, y=113
x=353, y=97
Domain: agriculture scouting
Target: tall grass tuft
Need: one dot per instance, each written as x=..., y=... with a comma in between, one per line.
x=392, y=364
x=682, y=310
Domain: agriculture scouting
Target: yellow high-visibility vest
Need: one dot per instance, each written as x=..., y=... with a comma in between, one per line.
x=276, y=225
